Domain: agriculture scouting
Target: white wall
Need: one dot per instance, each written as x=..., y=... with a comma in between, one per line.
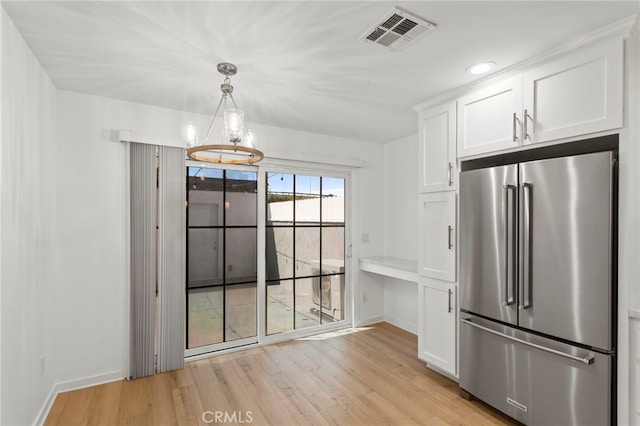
x=400, y=227
x=401, y=197
x=28, y=232
x=307, y=210
x=401, y=304
x=90, y=274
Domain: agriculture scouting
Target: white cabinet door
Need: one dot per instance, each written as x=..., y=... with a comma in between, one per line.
x=489, y=119
x=437, y=235
x=576, y=95
x=437, y=166
x=437, y=314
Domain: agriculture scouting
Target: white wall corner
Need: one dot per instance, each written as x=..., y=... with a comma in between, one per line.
x=403, y=324
x=71, y=385
x=370, y=320
x=28, y=133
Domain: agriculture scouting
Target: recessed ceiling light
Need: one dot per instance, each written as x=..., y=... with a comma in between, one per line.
x=481, y=68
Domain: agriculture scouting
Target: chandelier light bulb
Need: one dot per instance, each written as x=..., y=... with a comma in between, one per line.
x=234, y=125
x=190, y=133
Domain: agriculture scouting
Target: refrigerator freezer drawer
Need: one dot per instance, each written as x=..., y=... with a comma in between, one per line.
x=535, y=380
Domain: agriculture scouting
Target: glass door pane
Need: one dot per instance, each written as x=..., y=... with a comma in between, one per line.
x=307, y=298
x=221, y=258
x=305, y=239
x=279, y=306
x=240, y=318
x=205, y=316
x=279, y=252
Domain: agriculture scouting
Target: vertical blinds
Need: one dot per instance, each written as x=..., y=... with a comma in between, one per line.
x=158, y=258
x=143, y=253
x=171, y=259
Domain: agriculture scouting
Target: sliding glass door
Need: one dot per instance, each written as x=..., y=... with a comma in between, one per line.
x=300, y=224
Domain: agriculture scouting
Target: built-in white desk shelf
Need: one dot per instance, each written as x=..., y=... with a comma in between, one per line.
x=403, y=269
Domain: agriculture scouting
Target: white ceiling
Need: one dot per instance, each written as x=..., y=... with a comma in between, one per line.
x=301, y=65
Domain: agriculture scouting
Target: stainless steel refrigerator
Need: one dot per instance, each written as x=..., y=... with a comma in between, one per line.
x=537, y=288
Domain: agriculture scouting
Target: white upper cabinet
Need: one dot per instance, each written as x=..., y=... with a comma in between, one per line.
x=488, y=119
x=579, y=94
x=437, y=235
x=437, y=167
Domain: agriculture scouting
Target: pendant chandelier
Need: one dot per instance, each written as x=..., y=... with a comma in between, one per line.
x=237, y=142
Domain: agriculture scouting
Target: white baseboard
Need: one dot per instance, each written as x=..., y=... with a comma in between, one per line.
x=46, y=407
x=371, y=320
x=405, y=325
x=73, y=385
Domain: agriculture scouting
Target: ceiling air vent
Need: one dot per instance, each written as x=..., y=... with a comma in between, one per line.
x=397, y=30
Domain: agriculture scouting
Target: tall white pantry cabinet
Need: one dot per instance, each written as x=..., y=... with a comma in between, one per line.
x=437, y=288
x=579, y=90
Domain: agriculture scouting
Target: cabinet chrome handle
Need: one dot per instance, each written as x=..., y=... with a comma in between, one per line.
x=526, y=132
x=450, y=174
x=449, y=232
x=515, y=135
x=450, y=308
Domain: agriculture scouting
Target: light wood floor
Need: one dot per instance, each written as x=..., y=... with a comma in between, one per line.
x=367, y=377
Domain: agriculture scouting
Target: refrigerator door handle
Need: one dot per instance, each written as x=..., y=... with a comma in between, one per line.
x=509, y=278
x=525, y=253
x=588, y=360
